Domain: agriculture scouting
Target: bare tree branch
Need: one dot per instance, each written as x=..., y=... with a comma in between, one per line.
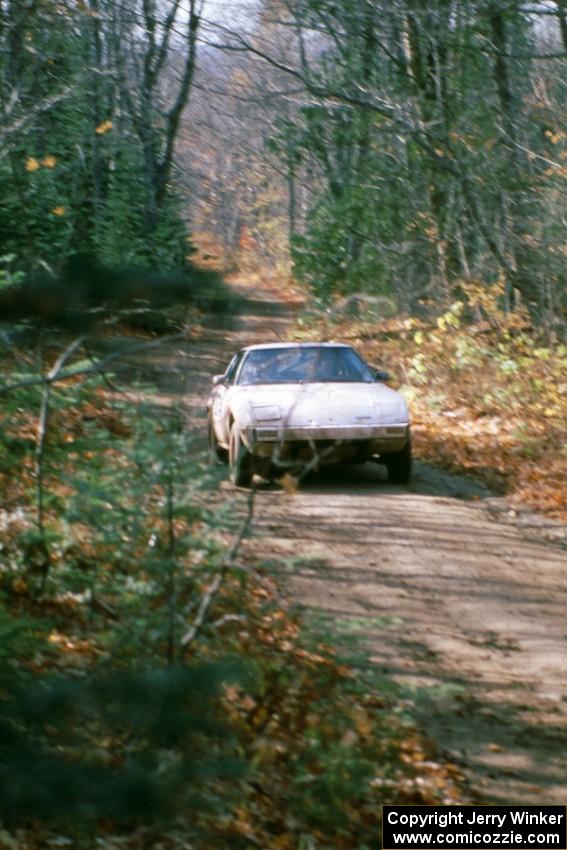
x=96, y=369
x=209, y=596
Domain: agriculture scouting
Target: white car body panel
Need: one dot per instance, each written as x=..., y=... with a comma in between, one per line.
x=303, y=405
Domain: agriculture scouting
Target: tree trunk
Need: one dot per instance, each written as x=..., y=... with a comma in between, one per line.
x=428, y=67
x=562, y=15
x=514, y=210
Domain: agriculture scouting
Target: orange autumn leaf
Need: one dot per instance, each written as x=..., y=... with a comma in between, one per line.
x=289, y=484
x=104, y=128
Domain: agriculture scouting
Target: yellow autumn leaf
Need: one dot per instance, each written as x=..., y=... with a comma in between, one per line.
x=289, y=484
x=19, y=585
x=104, y=128
x=32, y=164
x=283, y=842
x=60, y=211
x=554, y=138
x=49, y=161
x=363, y=723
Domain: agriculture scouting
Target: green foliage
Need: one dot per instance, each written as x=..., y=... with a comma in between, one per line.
x=135, y=485
x=425, y=146
x=327, y=256
x=86, y=295
x=129, y=730
x=8, y=277
x=74, y=175
x=164, y=744
x=120, y=234
x=363, y=200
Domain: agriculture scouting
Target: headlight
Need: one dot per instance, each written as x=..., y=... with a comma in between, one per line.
x=267, y=413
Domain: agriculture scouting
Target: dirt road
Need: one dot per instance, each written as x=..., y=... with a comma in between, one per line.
x=467, y=613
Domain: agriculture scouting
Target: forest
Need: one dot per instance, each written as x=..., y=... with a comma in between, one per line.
x=178, y=175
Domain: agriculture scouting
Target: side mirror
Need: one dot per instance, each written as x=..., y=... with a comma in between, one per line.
x=218, y=379
x=381, y=375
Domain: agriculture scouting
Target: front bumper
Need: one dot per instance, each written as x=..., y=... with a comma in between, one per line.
x=263, y=440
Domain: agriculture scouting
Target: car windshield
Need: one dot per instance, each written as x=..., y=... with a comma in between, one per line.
x=298, y=365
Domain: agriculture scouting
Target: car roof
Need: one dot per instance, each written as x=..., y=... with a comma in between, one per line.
x=276, y=345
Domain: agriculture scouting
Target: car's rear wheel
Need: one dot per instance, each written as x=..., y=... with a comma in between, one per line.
x=399, y=465
x=216, y=452
x=240, y=460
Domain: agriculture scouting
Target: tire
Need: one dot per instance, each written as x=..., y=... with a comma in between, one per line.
x=216, y=452
x=399, y=465
x=240, y=460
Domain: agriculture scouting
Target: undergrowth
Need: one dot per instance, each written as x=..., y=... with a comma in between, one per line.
x=488, y=393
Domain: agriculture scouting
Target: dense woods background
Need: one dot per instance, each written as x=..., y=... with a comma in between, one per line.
x=411, y=154
x=395, y=149
x=418, y=144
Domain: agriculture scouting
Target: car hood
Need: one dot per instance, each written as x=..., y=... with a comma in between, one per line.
x=320, y=404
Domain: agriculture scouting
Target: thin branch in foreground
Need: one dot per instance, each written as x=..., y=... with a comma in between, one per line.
x=55, y=376
x=210, y=594
x=42, y=429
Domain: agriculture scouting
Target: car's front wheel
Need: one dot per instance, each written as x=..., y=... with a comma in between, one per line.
x=240, y=460
x=399, y=465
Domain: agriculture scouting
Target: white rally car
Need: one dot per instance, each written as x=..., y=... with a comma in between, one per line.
x=298, y=406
